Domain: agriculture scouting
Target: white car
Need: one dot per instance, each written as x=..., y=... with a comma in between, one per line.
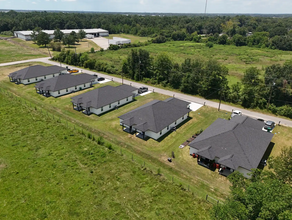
x=235, y=113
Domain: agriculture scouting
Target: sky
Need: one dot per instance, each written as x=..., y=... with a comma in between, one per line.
x=164, y=6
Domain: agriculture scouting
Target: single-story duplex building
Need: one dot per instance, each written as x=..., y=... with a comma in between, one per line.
x=235, y=144
x=96, y=32
x=37, y=73
x=101, y=100
x=65, y=84
x=155, y=118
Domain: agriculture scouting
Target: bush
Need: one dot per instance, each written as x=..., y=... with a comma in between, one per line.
x=100, y=141
x=56, y=46
x=209, y=44
x=109, y=146
x=7, y=33
x=92, y=50
x=114, y=47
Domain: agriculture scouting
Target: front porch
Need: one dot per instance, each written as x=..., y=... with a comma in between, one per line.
x=205, y=162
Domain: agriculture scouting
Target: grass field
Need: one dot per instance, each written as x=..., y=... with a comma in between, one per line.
x=200, y=179
x=133, y=38
x=13, y=52
x=48, y=171
x=237, y=59
x=81, y=47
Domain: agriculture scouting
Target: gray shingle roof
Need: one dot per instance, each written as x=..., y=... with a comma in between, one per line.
x=64, y=82
x=239, y=142
x=36, y=71
x=100, y=97
x=155, y=115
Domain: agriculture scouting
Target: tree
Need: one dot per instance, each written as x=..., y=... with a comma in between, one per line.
x=163, y=66
x=43, y=39
x=261, y=197
x=282, y=165
x=58, y=35
x=239, y=40
x=81, y=34
x=68, y=40
x=35, y=33
x=223, y=39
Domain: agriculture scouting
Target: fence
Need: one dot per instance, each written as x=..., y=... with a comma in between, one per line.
x=87, y=132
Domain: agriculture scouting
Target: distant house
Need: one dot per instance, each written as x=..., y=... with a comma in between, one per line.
x=235, y=144
x=101, y=100
x=155, y=118
x=35, y=74
x=65, y=84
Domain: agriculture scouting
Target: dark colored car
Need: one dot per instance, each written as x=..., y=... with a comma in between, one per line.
x=142, y=90
x=269, y=125
x=100, y=79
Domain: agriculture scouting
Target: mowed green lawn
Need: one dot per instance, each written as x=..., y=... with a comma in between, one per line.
x=48, y=171
x=10, y=52
x=237, y=59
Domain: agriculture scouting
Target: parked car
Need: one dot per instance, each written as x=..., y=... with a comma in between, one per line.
x=269, y=126
x=73, y=71
x=100, y=79
x=142, y=90
x=235, y=113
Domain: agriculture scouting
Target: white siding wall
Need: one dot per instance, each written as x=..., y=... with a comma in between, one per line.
x=69, y=90
x=193, y=151
x=244, y=171
x=107, y=108
x=38, y=79
x=156, y=136
x=136, y=92
x=103, y=34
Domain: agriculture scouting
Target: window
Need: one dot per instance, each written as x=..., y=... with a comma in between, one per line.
x=66, y=90
x=160, y=132
x=53, y=75
x=101, y=109
x=75, y=87
x=84, y=85
x=59, y=92
x=28, y=80
x=183, y=117
x=45, y=77
x=110, y=105
x=167, y=127
x=127, y=99
x=36, y=79
x=118, y=102
x=175, y=122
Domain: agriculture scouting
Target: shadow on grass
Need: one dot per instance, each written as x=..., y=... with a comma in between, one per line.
x=177, y=127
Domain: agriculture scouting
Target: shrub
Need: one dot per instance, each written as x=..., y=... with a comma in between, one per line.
x=92, y=50
x=109, y=146
x=100, y=141
x=209, y=44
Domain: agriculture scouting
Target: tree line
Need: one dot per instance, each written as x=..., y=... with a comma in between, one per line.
x=266, y=195
x=42, y=38
x=271, y=32
x=197, y=77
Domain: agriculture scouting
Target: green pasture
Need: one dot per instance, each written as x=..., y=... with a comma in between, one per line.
x=50, y=171
x=237, y=59
x=10, y=52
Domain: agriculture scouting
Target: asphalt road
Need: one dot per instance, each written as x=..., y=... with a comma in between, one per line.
x=166, y=92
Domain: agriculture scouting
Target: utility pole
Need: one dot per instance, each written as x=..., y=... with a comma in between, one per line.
x=206, y=7
x=219, y=103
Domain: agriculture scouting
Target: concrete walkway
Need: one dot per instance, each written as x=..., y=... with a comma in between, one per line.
x=166, y=92
x=102, y=42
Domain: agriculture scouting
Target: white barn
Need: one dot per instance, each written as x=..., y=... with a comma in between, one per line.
x=37, y=73
x=155, y=118
x=96, y=32
x=65, y=84
x=104, y=99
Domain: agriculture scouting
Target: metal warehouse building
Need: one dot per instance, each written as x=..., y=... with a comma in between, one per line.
x=96, y=32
